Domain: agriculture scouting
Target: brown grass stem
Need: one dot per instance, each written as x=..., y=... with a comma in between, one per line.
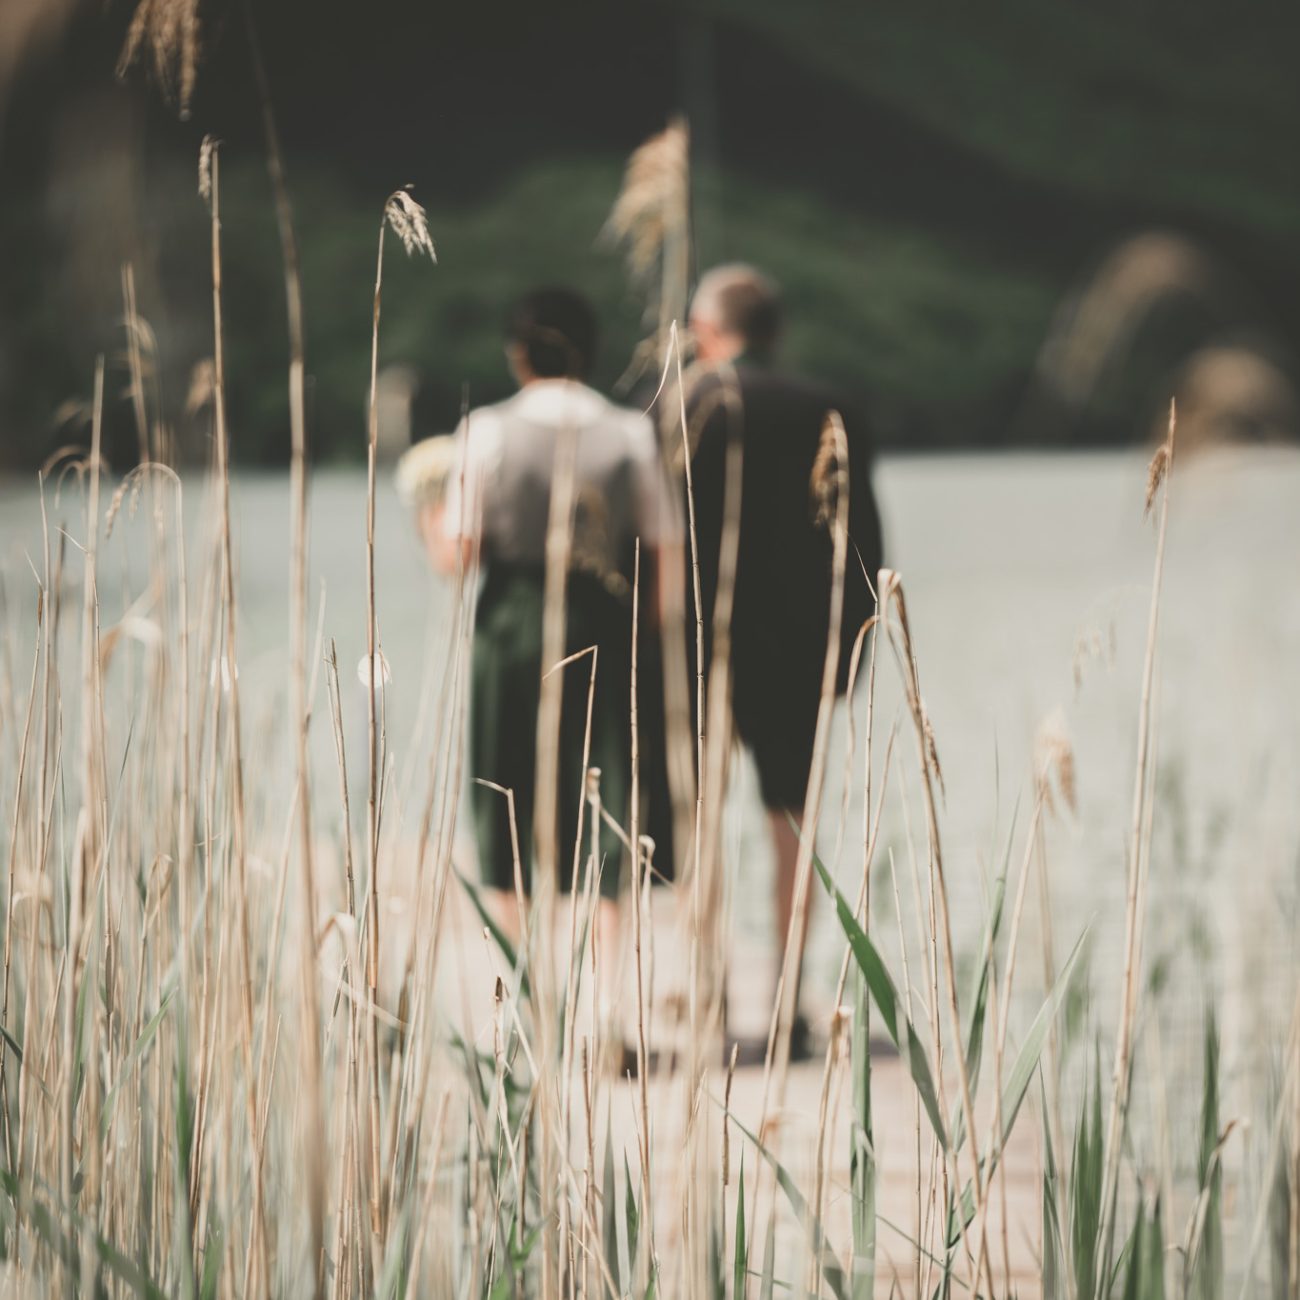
x=1138, y=861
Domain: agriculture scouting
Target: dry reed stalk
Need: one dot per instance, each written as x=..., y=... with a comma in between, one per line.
x=300, y=703
x=1285, y=1117
x=212, y=624
x=1047, y=944
x=706, y=986
x=431, y=1183
x=14, y=836
x=185, y=813
x=135, y=364
x=1055, y=755
x=920, y=1236
x=1138, y=863
x=862, y=908
x=890, y=589
x=559, y=542
x=408, y=221
x=777, y=1059
x=717, y=746
x=259, y=1277
x=1000, y=1009
x=90, y=833
x=372, y=827
x=642, y=1055
x=651, y=219
x=573, y=963
x=862, y=912
x=419, y=1075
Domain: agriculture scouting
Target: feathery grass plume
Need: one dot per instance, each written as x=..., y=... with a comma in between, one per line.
x=169, y=30
x=202, y=382
x=653, y=205
x=650, y=221
x=410, y=223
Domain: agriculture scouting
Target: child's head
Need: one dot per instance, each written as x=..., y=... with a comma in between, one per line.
x=423, y=470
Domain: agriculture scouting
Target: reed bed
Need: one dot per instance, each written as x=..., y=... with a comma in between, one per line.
x=223, y=1077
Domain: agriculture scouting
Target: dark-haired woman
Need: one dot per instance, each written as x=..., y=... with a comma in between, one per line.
x=499, y=504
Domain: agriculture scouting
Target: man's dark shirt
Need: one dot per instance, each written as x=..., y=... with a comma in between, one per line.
x=781, y=615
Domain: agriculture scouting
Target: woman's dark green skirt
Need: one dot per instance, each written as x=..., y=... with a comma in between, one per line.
x=504, y=699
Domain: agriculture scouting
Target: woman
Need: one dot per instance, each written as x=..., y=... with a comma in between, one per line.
x=499, y=502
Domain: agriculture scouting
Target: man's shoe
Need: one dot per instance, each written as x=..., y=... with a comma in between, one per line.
x=802, y=1047
x=752, y=1051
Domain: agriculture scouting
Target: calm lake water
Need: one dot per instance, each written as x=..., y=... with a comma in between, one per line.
x=1028, y=581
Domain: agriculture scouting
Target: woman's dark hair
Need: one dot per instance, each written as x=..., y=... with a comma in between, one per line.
x=557, y=330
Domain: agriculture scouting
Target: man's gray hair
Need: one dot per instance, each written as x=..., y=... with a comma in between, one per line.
x=741, y=300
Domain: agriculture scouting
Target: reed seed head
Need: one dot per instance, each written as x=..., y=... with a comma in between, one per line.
x=410, y=223
x=1162, y=460
x=829, y=477
x=206, y=151
x=1055, y=760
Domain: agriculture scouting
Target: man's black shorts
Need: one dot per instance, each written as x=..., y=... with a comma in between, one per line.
x=780, y=732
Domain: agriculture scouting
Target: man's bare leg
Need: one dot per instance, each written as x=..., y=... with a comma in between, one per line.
x=785, y=838
x=505, y=909
x=786, y=841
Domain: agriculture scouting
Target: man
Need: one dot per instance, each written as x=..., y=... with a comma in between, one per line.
x=503, y=509
x=782, y=600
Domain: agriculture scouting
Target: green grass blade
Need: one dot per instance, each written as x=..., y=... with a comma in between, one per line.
x=609, y=1207
x=740, y=1259
x=1144, y=1277
x=862, y=1158
x=392, y=1279
x=1085, y=1190
x=892, y=1012
x=136, y=1054
x=1022, y=1074
x=211, y=1265
x=767, y=1284
x=1031, y=1050
x=1053, y=1250
x=812, y=1225
x=49, y=1228
x=979, y=999
x=1204, y=1279
x=499, y=936
x=633, y=1218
